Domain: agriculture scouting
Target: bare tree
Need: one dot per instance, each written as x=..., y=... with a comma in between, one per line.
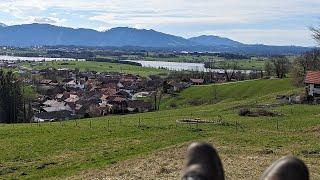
x=229, y=69
x=269, y=68
x=281, y=65
x=310, y=61
x=316, y=33
x=297, y=72
x=158, y=94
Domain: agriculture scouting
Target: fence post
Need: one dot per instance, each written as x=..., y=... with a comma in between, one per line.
x=237, y=126
x=108, y=124
x=139, y=122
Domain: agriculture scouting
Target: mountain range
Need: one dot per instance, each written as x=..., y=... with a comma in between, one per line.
x=45, y=34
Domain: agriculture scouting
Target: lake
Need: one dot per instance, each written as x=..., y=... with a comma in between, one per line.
x=175, y=66
x=180, y=66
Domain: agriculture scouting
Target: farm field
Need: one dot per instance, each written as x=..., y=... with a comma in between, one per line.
x=99, y=67
x=113, y=146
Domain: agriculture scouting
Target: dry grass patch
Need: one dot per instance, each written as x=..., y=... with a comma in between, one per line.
x=239, y=163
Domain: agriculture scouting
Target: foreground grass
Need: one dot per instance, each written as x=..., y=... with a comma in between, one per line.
x=99, y=67
x=58, y=150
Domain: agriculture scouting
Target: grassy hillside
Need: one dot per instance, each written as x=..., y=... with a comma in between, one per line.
x=245, y=64
x=100, y=67
x=57, y=150
x=197, y=95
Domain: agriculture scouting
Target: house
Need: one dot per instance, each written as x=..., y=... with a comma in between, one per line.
x=124, y=94
x=119, y=104
x=53, y=103
x=45, y=81
x=55, y=106
x=312, y=80
x=139, y=106
x=59, y=96
x=53, y=116
x=57, y=109
x=141, y=95
x=108, y=91
x=72, y=99
x=197, y=81
x=49, y=90
x=92, y=107
x=177, y=86
x=74, y=84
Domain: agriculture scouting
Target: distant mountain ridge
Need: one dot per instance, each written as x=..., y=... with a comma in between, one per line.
x=50, y=35
x=214, y=41
x=2, y=25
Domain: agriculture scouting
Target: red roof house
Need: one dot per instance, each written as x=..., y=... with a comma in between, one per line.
x=312, y=79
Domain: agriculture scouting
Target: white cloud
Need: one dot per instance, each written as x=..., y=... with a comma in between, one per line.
x=45, y=20
x=211, y=11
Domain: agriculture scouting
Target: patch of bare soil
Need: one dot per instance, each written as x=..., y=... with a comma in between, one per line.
x=315, y=129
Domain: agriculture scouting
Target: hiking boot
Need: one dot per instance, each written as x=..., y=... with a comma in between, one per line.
x=287, y=168
x=203, y=163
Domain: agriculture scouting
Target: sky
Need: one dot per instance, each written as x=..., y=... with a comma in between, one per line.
x=272, y=22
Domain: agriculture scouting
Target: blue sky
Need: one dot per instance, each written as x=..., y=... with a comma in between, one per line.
x=277, y=22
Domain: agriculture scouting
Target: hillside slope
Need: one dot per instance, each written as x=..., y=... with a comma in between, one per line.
x=197, y=95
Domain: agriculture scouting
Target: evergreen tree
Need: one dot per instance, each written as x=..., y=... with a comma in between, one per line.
x=11, y=99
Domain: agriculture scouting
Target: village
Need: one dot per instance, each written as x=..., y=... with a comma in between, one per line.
x=65, y=94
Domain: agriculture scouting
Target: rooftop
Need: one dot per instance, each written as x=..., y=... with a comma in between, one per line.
x=312, y=77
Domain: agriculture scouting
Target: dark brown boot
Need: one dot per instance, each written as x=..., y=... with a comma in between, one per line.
x=203, y=163
x=287, y=168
